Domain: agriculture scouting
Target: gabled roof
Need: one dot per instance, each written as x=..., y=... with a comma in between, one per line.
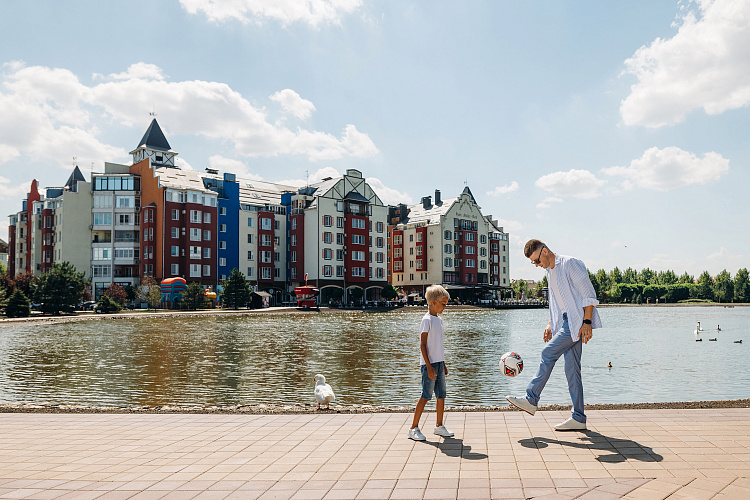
x=74, y=178
x=355, y=196
x=154, y=138
x=417, y=212
x=468, y=191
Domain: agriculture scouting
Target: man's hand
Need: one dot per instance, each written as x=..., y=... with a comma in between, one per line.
x=586, y=333
x=446, y=368
x=431, y=372
x=547, y=334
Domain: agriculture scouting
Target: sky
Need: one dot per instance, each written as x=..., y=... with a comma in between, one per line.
x=616, y=132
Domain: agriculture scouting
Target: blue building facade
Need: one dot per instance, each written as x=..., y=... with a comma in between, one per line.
x=229, y=218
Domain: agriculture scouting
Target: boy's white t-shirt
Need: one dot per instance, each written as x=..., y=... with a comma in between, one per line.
x=433, y=325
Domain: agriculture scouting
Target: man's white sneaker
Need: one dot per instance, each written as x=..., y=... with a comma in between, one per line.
x=571, y=425
x=442, y=431
x=416, y=434
x=522, y=403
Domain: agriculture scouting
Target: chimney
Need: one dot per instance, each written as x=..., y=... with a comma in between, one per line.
x=437, y=197
x=426, y=202
x=402, y=212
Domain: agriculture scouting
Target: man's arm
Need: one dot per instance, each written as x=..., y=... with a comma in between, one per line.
x=423, y=347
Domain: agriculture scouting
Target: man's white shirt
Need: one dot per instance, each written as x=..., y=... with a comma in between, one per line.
x=571, y=292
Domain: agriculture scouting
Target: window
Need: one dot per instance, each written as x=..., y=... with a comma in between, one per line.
x=222, y=245
x=195, y=234
x=411, y=251
x=206, y=253
x=175, y=232
x=276, y=241
x=327, y=220
x=276, y=256
x=470, y=236
x=327, y=237
x=206, y=217
x=102, y=201
x=448, y=248
x=419, y=263
x=99, y=219
x=339, y=222
x=327, y=254
x=250, y=273
x=379, y=273
x=101, y=253
x=483, y=239
x=327, y=271
x=206, y=235
x=265, y=240
x=339, y=271
x=358, y=239
x=379, y=242
x=266, y=273
x=222, y=228
x=175, y=269
x=470, y=250
x=265, y=257
x=379, y=257
x=470, y=263
x=102, y=271
x=339, y=255
x=175, y=252
x=249, y=238
x=124, y=219
x=359, y=272
x=265, y=224
x=222, y=211
x=195, y=270
x=359, y=224
x=482, y=264
x=448, y=262
x=339, y=238
x=294, y=256
x=411, y=237
x=419, y=236
x=339, y=206
x=195, y=252
x=249, y=255
x=249, y=222
x=483, y=252
x=294, y=223
x=222, y=261
x=293, y=273
x=206, y=270
x=419, y=250
x=195, y=216
x=379, y=227
x=358, y=255
x=294, y=240
x=276, y=224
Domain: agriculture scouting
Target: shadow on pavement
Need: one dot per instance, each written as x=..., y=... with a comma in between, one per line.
x=454, y=447
x=616, y=450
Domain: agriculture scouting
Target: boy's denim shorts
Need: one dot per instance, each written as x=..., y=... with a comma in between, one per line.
x=437, y=386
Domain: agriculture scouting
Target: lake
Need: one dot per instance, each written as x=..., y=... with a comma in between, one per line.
x=368, y=358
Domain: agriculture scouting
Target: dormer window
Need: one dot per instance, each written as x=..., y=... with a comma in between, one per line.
x=159, y=158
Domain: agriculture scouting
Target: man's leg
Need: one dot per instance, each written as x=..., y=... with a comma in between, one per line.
x=550, y=354
x=575, y=384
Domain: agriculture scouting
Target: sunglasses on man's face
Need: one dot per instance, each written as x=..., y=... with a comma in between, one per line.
x=539, y=259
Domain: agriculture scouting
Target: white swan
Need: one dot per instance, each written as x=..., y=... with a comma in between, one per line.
x=698, y=329
x=323, y=392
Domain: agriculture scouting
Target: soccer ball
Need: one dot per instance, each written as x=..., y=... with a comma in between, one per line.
x=511, y=364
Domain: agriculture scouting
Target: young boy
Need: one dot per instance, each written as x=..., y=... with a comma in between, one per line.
x=432, y=361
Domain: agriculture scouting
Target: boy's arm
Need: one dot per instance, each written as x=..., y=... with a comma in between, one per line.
x=423, y=347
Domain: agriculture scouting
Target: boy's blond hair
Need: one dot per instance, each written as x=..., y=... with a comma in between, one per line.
x=435, y=293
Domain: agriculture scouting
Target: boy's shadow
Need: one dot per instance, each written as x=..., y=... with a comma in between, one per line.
x=454, y=447
x=617, y=450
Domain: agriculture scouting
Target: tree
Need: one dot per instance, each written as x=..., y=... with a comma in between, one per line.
x=107, y=305
x=18, y=305
x=116, y=293
x=60, y=289
x=131, y=293
x=615, y=277
x=595, y=283
x=27, y=283
x=666, y=278
x=705, y=288
x=654, y=292
x=355, y=294
x=723, y=287
x=646, y=277
x=236, y=290
x=741, y=286
x=630, y=276
x=678, y=292
x=194, y=295
x=151, y=291
x=603, y=279
x=389, y=292
x=685, y=278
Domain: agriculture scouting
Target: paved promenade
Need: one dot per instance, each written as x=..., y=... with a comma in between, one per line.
x=638, y=454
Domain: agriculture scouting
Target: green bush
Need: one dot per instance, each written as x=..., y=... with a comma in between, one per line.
x=18, y=305
x=107, y=305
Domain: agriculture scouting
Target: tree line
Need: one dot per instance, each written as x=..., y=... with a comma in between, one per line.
x=631, y=286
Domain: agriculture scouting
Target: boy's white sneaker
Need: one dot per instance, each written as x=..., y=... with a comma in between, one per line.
x=416, y=434
x=442, y=431
x=522, y=403
x=571, y=425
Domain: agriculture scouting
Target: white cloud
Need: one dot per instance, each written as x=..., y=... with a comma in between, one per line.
x=510, y=226
x=312, y=12
x=48, y=114
x=230, y=165
x=387, y=195
x=292, y=103
x=722, y=259
x=670, y=168
x=574, y=183
x=183, y=164
x=548, y=201
x=501, y=190
x=705, y=65
x=314, y=178
x=10, y=191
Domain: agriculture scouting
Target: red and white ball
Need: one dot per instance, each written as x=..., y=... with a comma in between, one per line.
x=511, y=364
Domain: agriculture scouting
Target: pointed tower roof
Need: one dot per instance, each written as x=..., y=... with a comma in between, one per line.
x=154, y=138
x=468, y=191
x=74, y=178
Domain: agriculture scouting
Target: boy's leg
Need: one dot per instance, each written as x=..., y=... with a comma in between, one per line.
x=418, y=412
x=555, y=348
x=439, y=391
x=575, y=384
x=439, y=406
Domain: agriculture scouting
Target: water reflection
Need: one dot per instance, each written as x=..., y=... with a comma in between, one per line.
x=367, y=358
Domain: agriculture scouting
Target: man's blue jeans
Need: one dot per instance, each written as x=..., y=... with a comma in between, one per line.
x=560, y=345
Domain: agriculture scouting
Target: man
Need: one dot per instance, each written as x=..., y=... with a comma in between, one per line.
x=572, y=317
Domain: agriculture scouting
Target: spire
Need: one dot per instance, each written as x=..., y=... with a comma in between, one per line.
x=468, y=191
x=154, y=138
x=74, y=178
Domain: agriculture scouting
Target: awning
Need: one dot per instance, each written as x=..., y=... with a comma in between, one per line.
x=263, y=294
x=414, y=294
x=454, y=287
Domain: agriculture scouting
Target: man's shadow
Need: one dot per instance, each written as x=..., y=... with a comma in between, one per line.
x=454, y=447
x=615, y=450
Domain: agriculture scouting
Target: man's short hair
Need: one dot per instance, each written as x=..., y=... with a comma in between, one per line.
x=436, y=292
x=531, y=247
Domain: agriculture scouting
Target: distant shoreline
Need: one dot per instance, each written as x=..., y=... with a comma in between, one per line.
x=166, y=313
x=277, y=409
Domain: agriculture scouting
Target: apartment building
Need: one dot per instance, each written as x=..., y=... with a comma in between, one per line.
x=338, y=236
x=448, y=242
